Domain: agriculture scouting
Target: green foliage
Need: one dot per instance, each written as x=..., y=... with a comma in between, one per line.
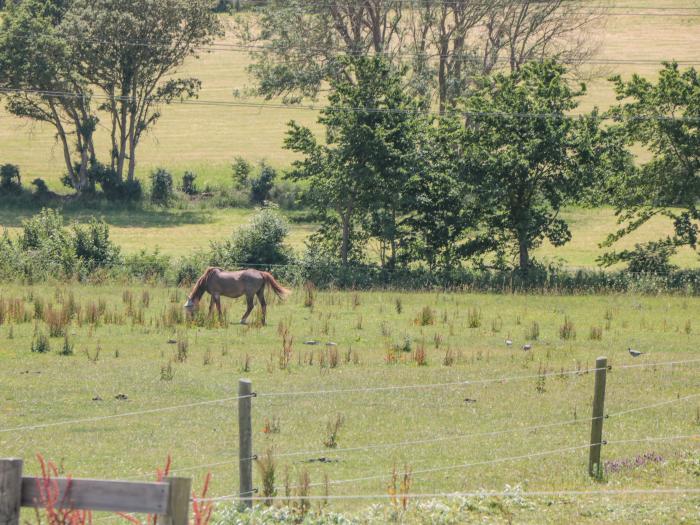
x=651, y=258
x=524, y=167
x=358, y=177
x=261, y=242
x=161, y=187
x=261, y=185
x=40, y=343
x=93, y=246
x=241, y=172
x=188, y=186
x=664, y=118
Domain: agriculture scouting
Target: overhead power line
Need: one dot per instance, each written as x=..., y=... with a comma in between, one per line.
x=473, y=114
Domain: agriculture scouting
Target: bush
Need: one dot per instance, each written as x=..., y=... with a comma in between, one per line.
x=261, y=185
x=188, y=186
x=10, y=180
x=147, y=266
x=92, y=245
x=261, y=242
x=40, y=188
x=113, y=187
x=161, y=187
x=241, y=172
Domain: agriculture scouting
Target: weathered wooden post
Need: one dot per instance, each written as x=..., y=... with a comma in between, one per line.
x=10, y=491
x=245, y=441
x=594, y=465
x=179, y=492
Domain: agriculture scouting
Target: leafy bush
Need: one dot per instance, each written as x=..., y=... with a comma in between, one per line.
x=92, y=245
x=161, y=187
x=48, y=243
x=261, y=242
x=188, y=186
x=241, y=172
x=261, y=185
x=147, y=266
x=40, y=188
x=113, y=187
x=10, y=180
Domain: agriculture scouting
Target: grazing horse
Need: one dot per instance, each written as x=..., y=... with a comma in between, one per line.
x=219, y=282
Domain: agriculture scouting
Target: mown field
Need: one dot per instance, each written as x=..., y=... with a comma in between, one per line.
x=126, y=340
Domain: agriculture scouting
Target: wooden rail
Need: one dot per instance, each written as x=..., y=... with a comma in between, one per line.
x=169, y=499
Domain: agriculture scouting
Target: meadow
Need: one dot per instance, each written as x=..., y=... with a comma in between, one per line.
x=130, y=350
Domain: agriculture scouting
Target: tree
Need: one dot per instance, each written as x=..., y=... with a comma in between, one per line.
x=40, y=80
x=663, y=118
x=131, y=50
x=359, y=176
x=446, y=44
x=527, y=158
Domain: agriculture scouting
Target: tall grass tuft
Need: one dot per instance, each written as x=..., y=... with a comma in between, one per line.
x=567, y=329
x=267, y=467
x=533, y=332
x=425, y=317
x=182, y=350
x=420, y=356
x=40, y=343
x=68, y=346
x=474, y=318
x=309, y=294
x=333, y=427
x=596, y=333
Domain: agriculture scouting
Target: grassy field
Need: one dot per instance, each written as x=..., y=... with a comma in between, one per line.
x=206, y=138
x=185, y=231
x=121, y=345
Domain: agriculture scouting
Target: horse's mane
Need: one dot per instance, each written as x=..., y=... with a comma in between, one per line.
x=200, y=286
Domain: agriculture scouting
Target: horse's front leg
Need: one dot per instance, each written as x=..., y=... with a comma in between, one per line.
x=218, y=307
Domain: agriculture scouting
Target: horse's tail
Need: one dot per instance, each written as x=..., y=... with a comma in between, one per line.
x=200, y=286
x=281, y=291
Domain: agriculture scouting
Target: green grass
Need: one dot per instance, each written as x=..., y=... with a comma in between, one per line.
x=184, y=231
x=207, y=138
x=46, y=388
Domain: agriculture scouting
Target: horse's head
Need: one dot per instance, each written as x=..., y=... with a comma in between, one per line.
x=191, y=305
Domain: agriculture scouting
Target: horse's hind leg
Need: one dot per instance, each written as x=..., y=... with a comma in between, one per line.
x=249, y=299
x=263, y=304
x=211, y=304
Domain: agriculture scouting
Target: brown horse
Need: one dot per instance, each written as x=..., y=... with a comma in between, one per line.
x=219, y=282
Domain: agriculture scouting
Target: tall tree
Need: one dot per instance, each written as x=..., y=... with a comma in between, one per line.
x=528, y=157
x=131, y=49
x=360, y=174
x=39, y=77
x=447, y=44
x=664, y=119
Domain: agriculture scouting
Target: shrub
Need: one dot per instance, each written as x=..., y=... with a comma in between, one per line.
x=93, y=246
x=146, y=265
x=41, y=189
x=50, y=245
x=161, y=187
x=260, y=242
x=10, y=180
x=188, y=185
x=241, y=172
x=261, y=185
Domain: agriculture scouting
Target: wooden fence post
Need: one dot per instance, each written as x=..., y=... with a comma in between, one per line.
x=594, y=465
x=10, y=491
x=178, y=502
x=245, y=441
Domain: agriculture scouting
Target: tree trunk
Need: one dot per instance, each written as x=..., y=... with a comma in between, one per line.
x=524, y=254
x=345, y=244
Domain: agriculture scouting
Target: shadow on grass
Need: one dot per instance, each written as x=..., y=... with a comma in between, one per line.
x=141, y=215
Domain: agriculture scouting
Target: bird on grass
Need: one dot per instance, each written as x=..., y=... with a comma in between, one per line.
x=634, y=353
x=509, y=342
x=527, y=347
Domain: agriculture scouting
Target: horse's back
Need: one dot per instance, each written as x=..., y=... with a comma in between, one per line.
x=239, y=282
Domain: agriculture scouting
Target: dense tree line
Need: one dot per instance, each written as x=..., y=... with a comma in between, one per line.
x=487, y=180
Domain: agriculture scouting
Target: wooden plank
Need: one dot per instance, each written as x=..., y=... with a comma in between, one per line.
x=10, y=490
x=94, y=494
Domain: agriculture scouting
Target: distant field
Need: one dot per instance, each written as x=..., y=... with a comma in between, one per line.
x=206, y=139
x=459, y=433
x=182, y=232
